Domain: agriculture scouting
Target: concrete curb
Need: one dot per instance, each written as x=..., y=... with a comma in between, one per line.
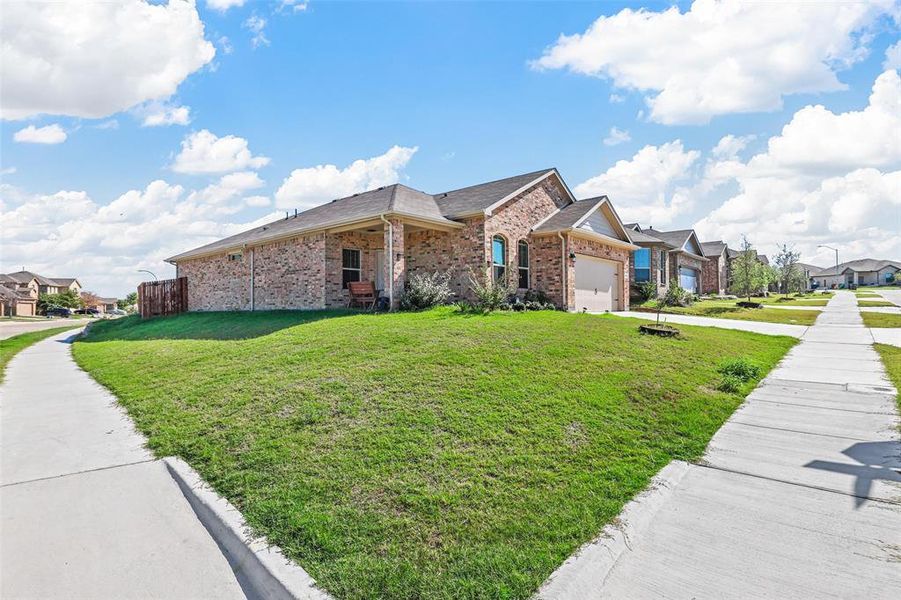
x=583, y=574
x=261, y=569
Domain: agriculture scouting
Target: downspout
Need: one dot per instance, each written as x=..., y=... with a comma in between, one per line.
x=252, y=283
x=390, y=261
x=563, y=263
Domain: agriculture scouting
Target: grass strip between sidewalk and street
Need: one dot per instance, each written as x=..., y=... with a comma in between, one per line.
x=891, y=358
x=430, y=455
x=15, y=344
x=874, y=319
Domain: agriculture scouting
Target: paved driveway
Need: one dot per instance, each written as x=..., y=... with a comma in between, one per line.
x=797, y=496
x=85, y=510
x=893, y=296
x=9, y=328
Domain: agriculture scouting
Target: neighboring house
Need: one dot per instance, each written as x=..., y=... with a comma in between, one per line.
x=809, y=271
x=18, y=298
x=48, y=285
x=667, y=256
x=105, y=305
x=715, y=272
x=528, y=227
x=866, y=271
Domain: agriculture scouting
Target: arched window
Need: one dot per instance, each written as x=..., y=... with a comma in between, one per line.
x=522, y=252
x=498, y=257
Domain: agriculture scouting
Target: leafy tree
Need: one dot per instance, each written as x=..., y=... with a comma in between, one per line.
x=130, y=300
x=90, y=299
x=788, y=269
x=67, y=299
x=749, y=275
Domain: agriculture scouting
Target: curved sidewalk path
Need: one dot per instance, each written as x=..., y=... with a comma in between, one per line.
x=85, y=510
x=797, y=496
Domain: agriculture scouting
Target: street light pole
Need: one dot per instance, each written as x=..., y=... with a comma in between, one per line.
x=154, y=276
x=831, y=248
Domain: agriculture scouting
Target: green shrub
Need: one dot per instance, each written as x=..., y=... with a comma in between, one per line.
x=647, y=290
x=426, y=291
x=489, y=294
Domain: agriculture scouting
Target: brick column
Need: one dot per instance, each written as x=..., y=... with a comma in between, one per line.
x=395, y=264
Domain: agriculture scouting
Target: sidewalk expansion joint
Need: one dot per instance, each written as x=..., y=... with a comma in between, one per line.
x=829, y=435
x=61, y=475
x=851, y=410
x=796, y=484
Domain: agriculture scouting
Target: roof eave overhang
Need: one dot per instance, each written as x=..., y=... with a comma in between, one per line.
x=591, y=235
x=440, y=224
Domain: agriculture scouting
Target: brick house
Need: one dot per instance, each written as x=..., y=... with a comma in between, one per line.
x=18, y=296
x=528, y=227
x=667, y=256
x=715, y=272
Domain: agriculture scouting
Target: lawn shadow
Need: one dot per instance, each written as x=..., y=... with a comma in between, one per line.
x=231, y=325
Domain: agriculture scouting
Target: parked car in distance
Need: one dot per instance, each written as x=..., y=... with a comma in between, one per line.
x=118, y=312
x=58, y=311
x=88, y=311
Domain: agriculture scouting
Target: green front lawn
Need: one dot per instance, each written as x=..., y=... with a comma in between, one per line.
x=727, y=309
x=863, y=302
x=423, y=455
x=891, y=358
x=874, y=319
x=15, y=344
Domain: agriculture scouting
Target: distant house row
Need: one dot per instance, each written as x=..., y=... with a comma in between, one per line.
x=865, y=271
x=20, y=291
x=528, y=228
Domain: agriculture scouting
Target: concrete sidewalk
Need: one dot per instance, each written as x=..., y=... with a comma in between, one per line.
x=9, y=328
x=752, y=326
x=797, y=496
x=893, y=296
x=85, y=510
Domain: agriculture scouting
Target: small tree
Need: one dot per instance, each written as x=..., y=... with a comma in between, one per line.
x=90, y=299
x=675, y=295
x=749, y=275
x=129, y=300
x=788, y=268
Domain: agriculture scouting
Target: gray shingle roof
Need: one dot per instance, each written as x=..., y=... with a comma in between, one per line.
x=812, y=269
x=64, y=281
x=642, y=237
x=713, y=248
x=863, y=264
x=395, y=198
x=570, y=214
x=476, y=198
x=26, y=276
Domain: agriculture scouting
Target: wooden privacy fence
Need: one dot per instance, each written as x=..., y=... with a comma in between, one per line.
x=161, y=298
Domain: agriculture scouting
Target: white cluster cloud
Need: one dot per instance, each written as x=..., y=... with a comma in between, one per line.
x=646, y=187
x=257, y=26
x=49, y=134
x=827, y=178
x=223, y=5
x=305, y=188
x=160, y=114
x=53, y=52
x=617, y=136
x=721, y=57
x=104, y=245
x=205, y=152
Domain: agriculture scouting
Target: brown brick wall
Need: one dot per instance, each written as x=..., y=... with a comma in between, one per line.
x=713, y=275
x=367, y=244
x=216, y=283
x=428, y=251
x=289, y=274
x=547, y=271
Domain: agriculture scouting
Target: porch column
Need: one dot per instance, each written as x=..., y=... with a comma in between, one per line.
x=395, y=266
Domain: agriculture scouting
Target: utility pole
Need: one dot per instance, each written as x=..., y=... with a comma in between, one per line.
x=831, y=248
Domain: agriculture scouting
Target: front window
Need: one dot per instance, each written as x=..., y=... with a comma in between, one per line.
x=661, y=268
x=642, y=259
x=350, y=266
x=498, y=257
x=523, y=258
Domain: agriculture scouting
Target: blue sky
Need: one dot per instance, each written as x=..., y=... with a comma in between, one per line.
x=340, y=82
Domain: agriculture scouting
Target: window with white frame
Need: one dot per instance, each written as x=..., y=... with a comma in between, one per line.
x=350, y=266
x=235, y=256
x=522, y=252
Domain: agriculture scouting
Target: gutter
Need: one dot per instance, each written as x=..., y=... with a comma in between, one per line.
x=390, y=261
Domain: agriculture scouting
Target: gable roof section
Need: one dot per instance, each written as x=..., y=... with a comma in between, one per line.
x=572, y=216
x=393, y=199
x=27, y=276
x=65, y=281
x=811, y=269
x=681, y=240
x=476, y=199
x=642, y=237
x=713, y=248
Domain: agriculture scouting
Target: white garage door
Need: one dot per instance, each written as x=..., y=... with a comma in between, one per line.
x=597, y=284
